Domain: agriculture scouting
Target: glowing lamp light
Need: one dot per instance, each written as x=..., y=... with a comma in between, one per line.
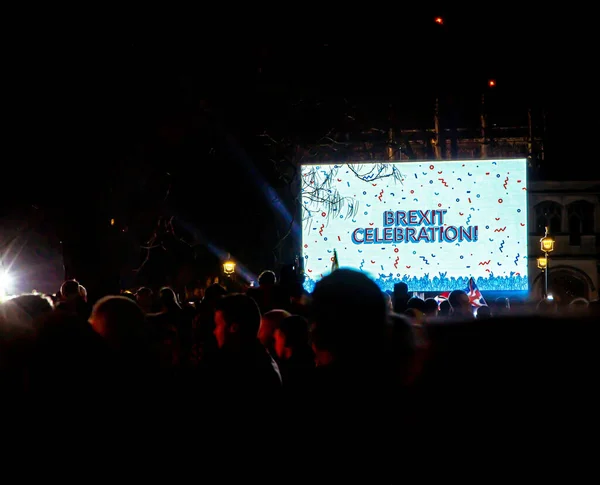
x=542, y=262
x=229, y=266
x=492, y=83
x=547, y=243
x=439, y=20
x=112, y=222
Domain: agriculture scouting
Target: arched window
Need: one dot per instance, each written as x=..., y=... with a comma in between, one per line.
x=581, y=220
x=548, y=213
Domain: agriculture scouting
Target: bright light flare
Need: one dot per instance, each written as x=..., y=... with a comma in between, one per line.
x=492, y=83
x=439, y=20
x=5, y=283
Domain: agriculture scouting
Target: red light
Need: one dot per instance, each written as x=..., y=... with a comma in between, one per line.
x=491, y=83
x=439, y=20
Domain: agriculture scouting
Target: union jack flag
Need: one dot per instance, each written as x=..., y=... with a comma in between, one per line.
x=475, y=297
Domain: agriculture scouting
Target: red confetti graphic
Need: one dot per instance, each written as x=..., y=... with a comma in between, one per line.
x=483, y=263
x=412, y=191
x=443, y=182
x=431, y=167
x=522, y=225
x=372, y=261
x=371, y=223
x=380, y=195
x=524, y=188
x=489, y=270
x=487, y=173
x=505, y=182
x=396, y=262
x=305, y=246
x=518, y=274
x=439, y=205
x=518, y=181
x=497, y=218
x=460, y=214
x=339, y=180
x=470, y=200
x=321, y=229
x=408, y=267
x=310, y=270
x=500, y=201
x=500, y=229
x=339, y=238
x=374, y=185
x=396, y=250
x=323, y=214
x=440, y=172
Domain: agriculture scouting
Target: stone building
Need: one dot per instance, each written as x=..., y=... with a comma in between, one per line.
x=571, y=211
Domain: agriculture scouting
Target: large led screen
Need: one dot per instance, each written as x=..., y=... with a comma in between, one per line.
x=432, y=225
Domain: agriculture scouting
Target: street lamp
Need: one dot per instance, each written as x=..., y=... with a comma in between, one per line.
x=229, y=266
x=547, y=246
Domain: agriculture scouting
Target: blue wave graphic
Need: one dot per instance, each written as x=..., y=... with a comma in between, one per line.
x=441, y=283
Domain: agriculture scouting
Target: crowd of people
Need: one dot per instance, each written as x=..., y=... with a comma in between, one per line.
x=347, y=367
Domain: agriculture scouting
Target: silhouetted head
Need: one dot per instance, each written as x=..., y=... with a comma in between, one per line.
x=579, y=306
x=144, y=297
x=431, y=307
x=401, y=289
x=416, y=303
x=268, y=324
x=34, y=305
x=581, y=302
x=70, y=289
x=348, y=316
x=459, y=301
x=483, y=312
x=168, y=298
x=267, y=278
x=22, y=310
x=214, y=292
x=291, y=333
x=237, y=320
x=445, y=308
x=120, y=321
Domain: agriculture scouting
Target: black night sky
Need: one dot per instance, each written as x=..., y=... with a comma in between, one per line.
x=105, y=121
